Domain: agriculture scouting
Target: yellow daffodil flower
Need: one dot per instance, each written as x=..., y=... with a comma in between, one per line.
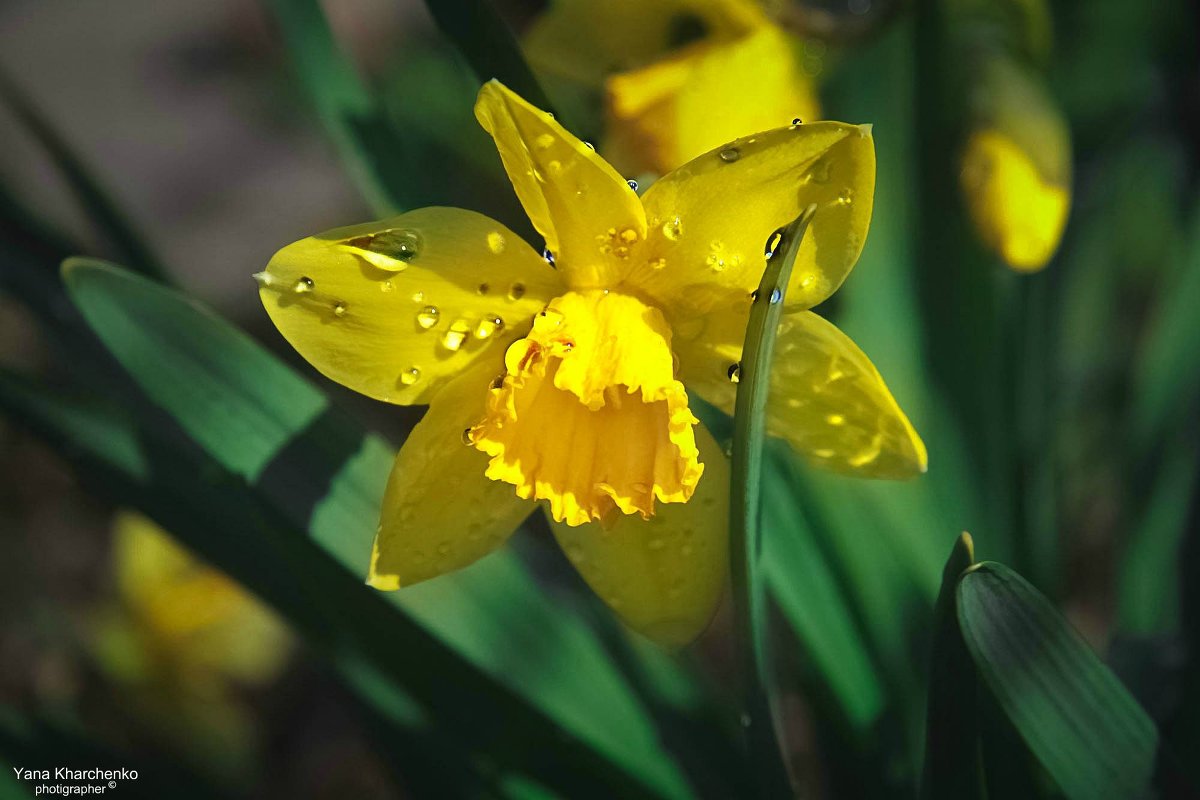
x=1017, y=212
x=681, y=77
x=564, y=382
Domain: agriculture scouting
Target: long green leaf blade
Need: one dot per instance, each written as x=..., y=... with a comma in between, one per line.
x=1073, y=712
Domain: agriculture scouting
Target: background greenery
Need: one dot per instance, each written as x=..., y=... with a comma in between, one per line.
x=1057, y=656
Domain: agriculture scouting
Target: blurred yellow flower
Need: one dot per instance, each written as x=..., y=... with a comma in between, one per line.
x=1018, y=213
x=681, y=77
x=562, y=378
x=181, y=640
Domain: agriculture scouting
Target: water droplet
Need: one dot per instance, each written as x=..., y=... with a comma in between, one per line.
x=658, y=263
x=339, y=309
x=807, y=281
x=468, y=437
x=397, y=244
x=797, y=121
x=546, y=254
x=495, y=242
x=589, y=146
x=718, y=259
x=734, y=373
x=835, y=419
x=428, y=316
x=776, y=295
x=545, y=141
x=387, y=286
x=456, y=335
x=845, y=197
x=482, y=289
x=555, y=167
x=516, y=291
x=303, y=285
x=418, y=297
x=263, y=278
x=773, y=244
x=673, y=229
x=632, y=184
x=498, y=382
x=730, y=154
x=410, y=376
x=488, y=326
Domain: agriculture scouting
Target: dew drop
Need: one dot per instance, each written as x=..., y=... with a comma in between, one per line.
x=428, y=316
x=418, y=297
x=468, y=438
x=410, y=376
x=773, y=244
x=658, y=263
x=545, y=141
x=734, y=373
x=262, y=278
x=730, y=154
x=845, y=197
x=516, y=291
x=589, y=146
x=673, y=229
x=555, y=167
x=402, y=245
x=339, y=309
x=303, y=285
x=546, y=254
x=482, y=289
x=495, y=242
x=632, y=184
x=797, y=121
x=488, y=326
x=453, y=339
x=387, y=286
x=776, y=296
x=497, y=382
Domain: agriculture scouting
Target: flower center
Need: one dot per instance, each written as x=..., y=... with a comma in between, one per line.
x=589, y=415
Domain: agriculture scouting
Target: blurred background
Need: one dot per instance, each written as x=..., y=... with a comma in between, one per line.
x=1029, y=291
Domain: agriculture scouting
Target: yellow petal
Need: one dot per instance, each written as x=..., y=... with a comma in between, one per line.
x=590, y=416
x=1018, y=213
x=678, y=108
x=591, y=219
x=586, y=40
x=712, y=219
x=663, y=576
x=393, y=309
x=439, y=511
x=827, y=399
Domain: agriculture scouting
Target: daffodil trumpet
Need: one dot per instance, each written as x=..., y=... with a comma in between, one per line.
x=566, y=385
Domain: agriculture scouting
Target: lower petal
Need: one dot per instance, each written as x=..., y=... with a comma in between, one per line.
x=439, y=511
x=662, y=576
x=827, y=399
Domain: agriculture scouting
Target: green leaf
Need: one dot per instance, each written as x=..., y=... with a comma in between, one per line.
x=952, y=749
x=745, y=505
x=1077, y=718
x=489, y=46
x=373, y=151
x=806, y=587
x=320, y=471
x=96, y=202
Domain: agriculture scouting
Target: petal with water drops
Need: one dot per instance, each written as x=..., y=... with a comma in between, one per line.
x=711, y=219
x=827, y=399
x=590, y=217
x=662, y=576
x=439, y=511
x=394, y=309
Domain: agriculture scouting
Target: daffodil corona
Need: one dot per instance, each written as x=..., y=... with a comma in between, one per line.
x=565, y=379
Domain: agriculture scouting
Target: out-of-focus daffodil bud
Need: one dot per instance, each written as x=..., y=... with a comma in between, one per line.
x=1016, y=166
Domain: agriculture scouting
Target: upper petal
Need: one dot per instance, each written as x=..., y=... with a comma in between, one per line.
x=664, y=575
x=682, y=106
x=439, y=511
x=395, y=308
x=591, y=219
x=827, y=399
x=712, y=219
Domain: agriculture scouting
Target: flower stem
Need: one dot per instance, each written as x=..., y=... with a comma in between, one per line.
x=749, y=595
